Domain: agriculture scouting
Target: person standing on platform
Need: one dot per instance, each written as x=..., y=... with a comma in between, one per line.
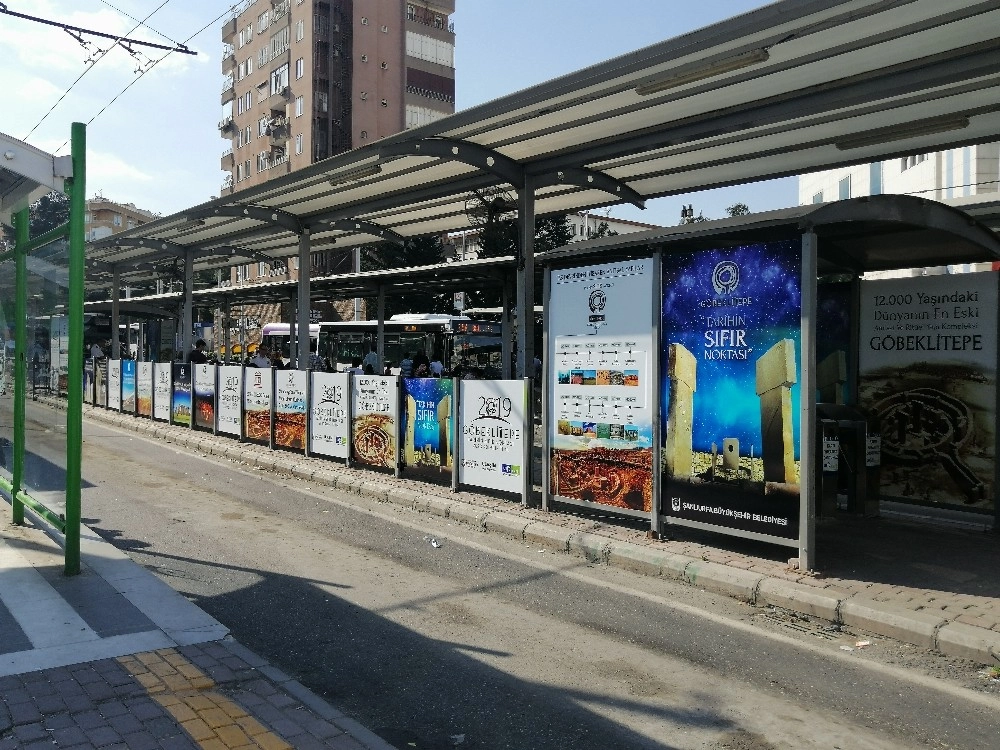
x=436, y=366
x=261, y=358
x=197, y=356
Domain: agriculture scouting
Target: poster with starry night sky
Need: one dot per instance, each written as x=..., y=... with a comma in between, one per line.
x=727, y=308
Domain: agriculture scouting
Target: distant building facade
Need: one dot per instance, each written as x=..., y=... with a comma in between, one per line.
x=104, y=218
x=304, y=80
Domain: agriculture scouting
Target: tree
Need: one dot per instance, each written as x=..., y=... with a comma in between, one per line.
x=738, y=209
x=48, y=212
x=415, y=251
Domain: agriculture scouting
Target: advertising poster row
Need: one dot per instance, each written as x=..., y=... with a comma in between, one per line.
x=378, y=421
x=721, y=332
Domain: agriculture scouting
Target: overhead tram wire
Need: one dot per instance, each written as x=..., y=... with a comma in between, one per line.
x=143, y=22
x=149, y=68
x=117, y=40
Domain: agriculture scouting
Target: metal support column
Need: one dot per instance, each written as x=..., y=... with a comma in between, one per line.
x=21, y=225
x=380, y=332
x=506, y=332
x=305, y=270
x=807, y=403
x=526, y=278
x=116, y=290
x=187, y=314
x=293, y=331
x=77, y=190
x=228, y=324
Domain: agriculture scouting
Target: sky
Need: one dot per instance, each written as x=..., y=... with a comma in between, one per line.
x=152, y=138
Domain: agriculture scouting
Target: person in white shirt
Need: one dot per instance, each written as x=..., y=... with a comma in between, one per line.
x=261, y=358
x=371, y=358
x=436, y=366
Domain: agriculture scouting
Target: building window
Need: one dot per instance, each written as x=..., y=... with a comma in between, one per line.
x=131, y=224
x=385, y=66
x=299, y=104
x=385, y=29
x=364, y=58
x=300, y=31
x=875, y=178
x=908, y=162
x=117, y=220
x=300, y=68
x=818, y=197
x=321, y=101
x=298, y=143
x=86, y=218
x=364, y=96
x=385, y=103
x=242, y=72
x=411, y=13
x=262, y=124
x=279, y=79
x=263, y=20
x=363, y=135
x=364, y=20
x=249, y=65
x=844, y=188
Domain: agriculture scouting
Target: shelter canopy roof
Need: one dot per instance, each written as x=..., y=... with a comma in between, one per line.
x=786, y=89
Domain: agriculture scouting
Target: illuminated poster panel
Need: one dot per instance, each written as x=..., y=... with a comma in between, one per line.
x=492, y=440
x=230, y=399
x=257, y=404
x=601, y=353
x=144, y=389
x=180, y=410
x=115, y=384
x=204, y=396
x=928, y=356
x=128, y=386
x=290, y=408
x=162, y=390
x=427, y=425
x=374, y=418
x=101, y=382
x=730, y=364
x=329, y=426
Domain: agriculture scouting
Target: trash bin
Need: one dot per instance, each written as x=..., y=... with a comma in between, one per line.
x=859, y=458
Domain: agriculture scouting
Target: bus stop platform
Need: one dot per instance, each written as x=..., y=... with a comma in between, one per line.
x=115, y=658
x=924, y=581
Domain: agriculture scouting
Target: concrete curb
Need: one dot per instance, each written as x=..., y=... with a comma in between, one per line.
x=919, y=628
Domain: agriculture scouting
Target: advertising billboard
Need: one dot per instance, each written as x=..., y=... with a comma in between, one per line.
x=329, y=428
x=180, y=408
x=427, y=425
x=491, y=413
x=128, y=386
x=290, y=408
x=144, y=389
x=229, y=403
x=162, y=390
x=927, y=370
x=204, y=396
x=374, y=413
x=601, y=353
x=731, y=363
x=257, y=404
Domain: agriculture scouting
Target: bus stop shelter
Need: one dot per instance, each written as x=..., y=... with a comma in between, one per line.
x=684, y=367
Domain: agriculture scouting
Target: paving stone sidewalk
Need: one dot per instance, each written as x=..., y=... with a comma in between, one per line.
x=925, y=584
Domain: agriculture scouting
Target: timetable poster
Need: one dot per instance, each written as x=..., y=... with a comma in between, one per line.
x=492, y=419
x=101, y=382
x=375, y=404
x=204, y=396
x=180, y=410
x=128, y=386
x=600, y=379
x=230, y=399
x=144, y=389
x=927, y=371
x=257, y=404
x=427, y=425
x=730, y=367
x=329, y=428
x=290, y=408
x=162, y=390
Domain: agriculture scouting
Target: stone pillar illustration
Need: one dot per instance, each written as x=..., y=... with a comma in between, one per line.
x=410, y=444
x=775, y=377
x=831, y=374
x=682, y=372
x=444, y=425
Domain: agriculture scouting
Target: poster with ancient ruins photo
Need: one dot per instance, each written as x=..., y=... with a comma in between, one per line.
x=927, y=362
x=428, y=438
x=730, y=367
x=374, y=413
x=600, y=381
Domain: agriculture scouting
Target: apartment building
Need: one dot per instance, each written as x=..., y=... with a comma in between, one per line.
x=104, y=217
x=304, y=80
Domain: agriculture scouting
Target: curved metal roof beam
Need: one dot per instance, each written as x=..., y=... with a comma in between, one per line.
x=368, y=227
x=152, y=243
x=274, y=216
x=588, y=178
x=468, y=153
x=234, y=251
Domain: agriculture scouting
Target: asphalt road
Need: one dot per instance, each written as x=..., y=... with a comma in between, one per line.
x=483, y=642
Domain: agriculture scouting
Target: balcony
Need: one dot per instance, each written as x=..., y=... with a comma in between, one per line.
x=279, y=8
x=227, y=183
x=278, y=137
x=228, y=161
x=229, y=30
x=227, y=90
x=228, y=60
x=226, y=126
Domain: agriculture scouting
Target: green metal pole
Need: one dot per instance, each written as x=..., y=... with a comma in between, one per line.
x=74, y=406
x=20, y=350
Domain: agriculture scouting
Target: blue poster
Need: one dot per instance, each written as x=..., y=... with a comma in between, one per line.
x=180, y=409
x=128, y=386
x=731, y=364
x=427, y=427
